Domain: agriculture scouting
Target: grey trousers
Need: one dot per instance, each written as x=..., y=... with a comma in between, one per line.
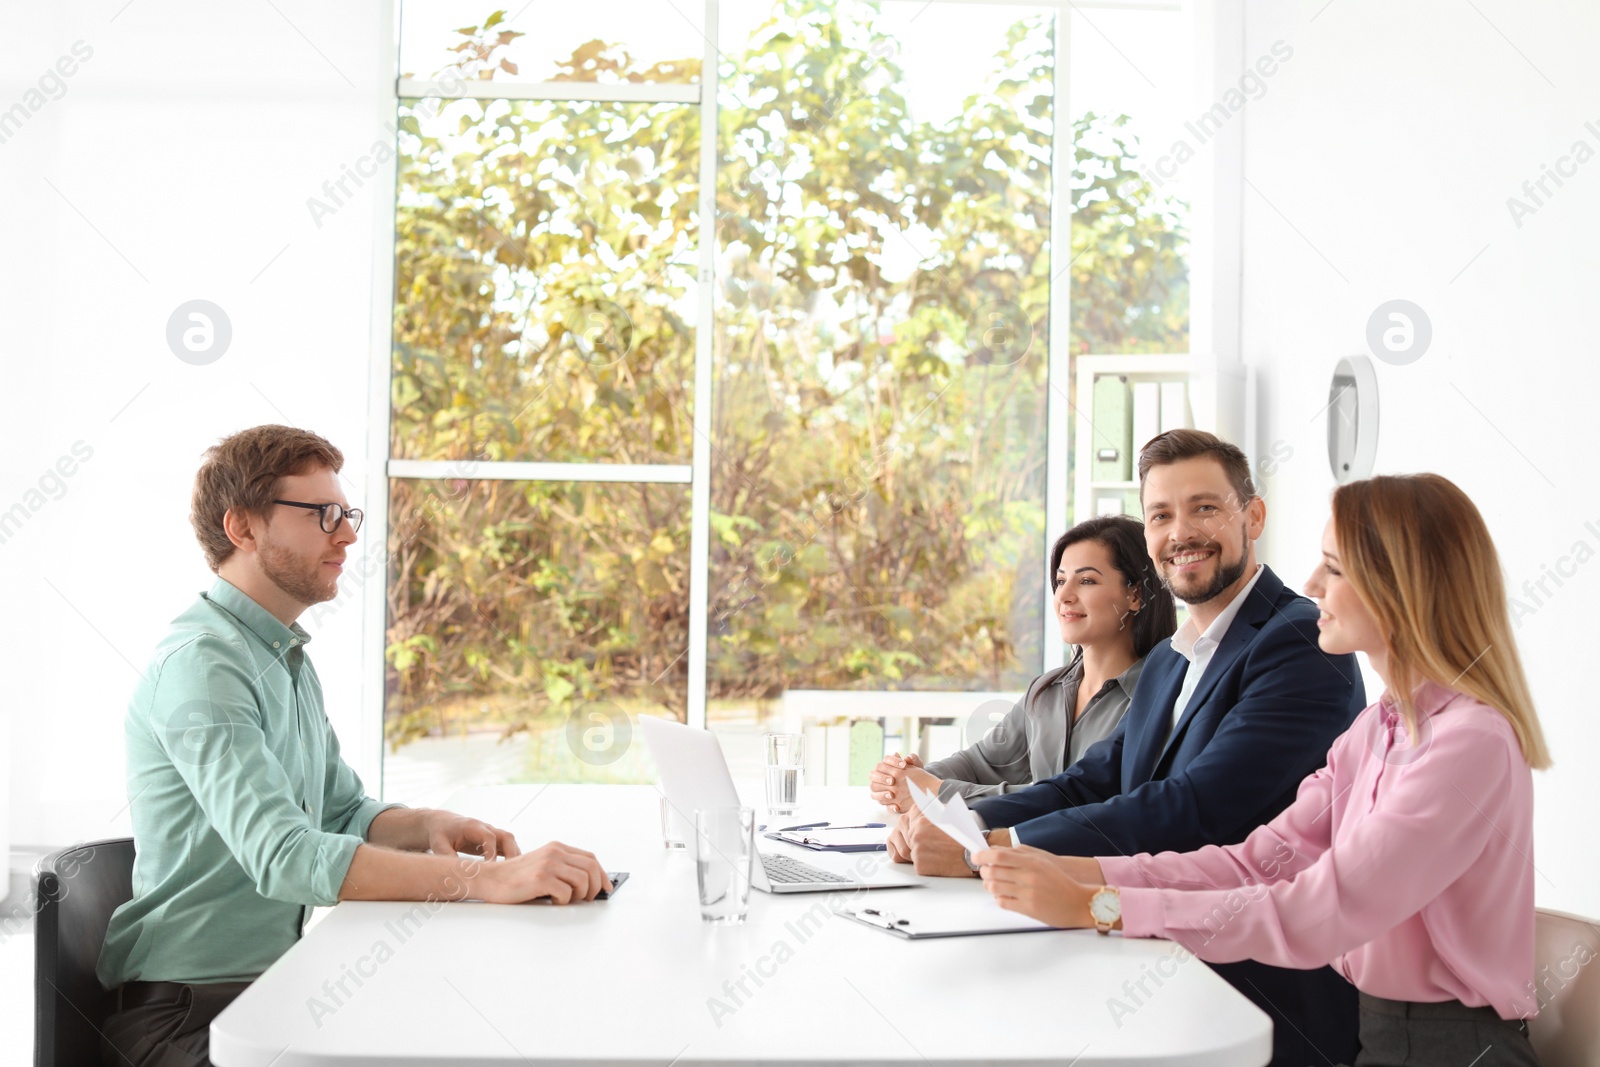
x=1398, y=1033
x=169, y=1029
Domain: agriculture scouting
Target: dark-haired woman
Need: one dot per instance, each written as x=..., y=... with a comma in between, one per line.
x=1110, y=604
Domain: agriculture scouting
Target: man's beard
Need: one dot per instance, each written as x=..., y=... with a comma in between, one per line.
x=1227, y=574
x=291, y=574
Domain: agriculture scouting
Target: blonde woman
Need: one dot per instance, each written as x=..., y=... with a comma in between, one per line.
x=1406, y=862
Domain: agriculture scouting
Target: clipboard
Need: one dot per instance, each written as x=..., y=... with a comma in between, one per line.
x=821, y=837
x=944, y=917
x=847, y=839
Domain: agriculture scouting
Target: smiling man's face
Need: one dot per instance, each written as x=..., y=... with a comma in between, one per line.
x=1198, y=532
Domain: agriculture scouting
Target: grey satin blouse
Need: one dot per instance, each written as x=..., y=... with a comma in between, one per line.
x=1038, y=737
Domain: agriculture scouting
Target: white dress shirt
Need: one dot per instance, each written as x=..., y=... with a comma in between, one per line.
x=1199, y=648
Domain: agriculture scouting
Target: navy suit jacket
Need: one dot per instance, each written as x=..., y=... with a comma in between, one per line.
x=1262, y=718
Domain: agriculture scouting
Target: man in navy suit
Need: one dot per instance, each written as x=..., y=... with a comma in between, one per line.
x=1225, y=722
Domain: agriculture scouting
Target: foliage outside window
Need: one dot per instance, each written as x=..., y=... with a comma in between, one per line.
x=881, y=332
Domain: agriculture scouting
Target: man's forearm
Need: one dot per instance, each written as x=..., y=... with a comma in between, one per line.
x=379, y=873
x=400, y=828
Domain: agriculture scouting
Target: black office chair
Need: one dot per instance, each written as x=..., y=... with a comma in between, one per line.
x=79, y=888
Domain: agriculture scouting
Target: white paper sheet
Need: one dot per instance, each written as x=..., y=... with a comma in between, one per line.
x=952, y=816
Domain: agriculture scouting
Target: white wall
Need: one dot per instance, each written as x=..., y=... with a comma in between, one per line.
x=1384, y=151
x=184, y=150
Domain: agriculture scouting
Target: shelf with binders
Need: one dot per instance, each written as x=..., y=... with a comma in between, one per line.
x=848, y=732
x=1130, y=399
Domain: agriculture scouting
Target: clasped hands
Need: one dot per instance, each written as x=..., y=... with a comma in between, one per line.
x=1053, y=889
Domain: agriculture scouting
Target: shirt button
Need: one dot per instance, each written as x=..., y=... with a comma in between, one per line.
x=293, y=641
x=274, y=644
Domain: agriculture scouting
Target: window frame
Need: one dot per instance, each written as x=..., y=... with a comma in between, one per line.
x=1218, y=388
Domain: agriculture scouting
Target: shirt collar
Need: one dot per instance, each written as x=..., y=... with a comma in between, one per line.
x=1190, y=645
x=255, y=618
x=1130, y=677
x=1127, y=679
x=1429, y=699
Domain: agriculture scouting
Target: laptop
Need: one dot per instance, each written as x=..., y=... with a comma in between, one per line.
x=694, y=774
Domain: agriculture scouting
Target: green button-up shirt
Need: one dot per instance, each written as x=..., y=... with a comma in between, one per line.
x=244, y=816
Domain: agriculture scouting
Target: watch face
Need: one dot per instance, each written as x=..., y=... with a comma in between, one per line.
x=1106, y=906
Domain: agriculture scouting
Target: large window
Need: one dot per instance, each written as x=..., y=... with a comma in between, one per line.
x=706, y=430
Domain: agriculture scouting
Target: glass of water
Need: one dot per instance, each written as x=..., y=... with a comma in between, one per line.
x=724, y=850
x=672, y=829
x=784, y=757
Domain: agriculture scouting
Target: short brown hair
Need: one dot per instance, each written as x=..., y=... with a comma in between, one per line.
x=242, y=472
x=1177, y=445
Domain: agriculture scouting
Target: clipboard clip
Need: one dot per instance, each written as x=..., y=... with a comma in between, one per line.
x=883, y=918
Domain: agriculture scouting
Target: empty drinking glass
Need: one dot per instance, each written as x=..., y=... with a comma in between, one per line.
x=673, y=835
x=724, y=849
x=784, y=757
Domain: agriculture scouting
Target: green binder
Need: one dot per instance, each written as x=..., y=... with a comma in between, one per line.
x=866, y=749
x=1112, y=439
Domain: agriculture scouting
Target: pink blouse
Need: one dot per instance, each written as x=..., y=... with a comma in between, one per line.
x=1410, y=869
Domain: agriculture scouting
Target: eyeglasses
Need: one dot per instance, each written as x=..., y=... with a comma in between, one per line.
x=330, y=515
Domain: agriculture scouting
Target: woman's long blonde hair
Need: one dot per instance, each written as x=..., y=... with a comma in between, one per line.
x=1419, y=555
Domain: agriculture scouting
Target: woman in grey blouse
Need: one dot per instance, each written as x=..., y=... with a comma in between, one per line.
x=1111, y=604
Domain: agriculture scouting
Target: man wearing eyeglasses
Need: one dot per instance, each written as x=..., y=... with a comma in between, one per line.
x=244, y=815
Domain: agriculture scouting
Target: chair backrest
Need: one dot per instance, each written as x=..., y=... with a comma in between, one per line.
x=78, y=889
x=1566, y=975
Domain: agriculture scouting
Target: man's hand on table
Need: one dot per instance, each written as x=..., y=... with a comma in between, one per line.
x=560, y=872
x=899, y=842
x=443, y=832
x=934, y=852
x=449, y=833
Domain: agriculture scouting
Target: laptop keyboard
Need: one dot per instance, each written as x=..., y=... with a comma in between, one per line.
x=788, y=870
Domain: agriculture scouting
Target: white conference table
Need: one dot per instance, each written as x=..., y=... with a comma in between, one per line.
x=641, y=980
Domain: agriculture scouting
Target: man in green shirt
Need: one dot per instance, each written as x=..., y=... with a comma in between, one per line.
x=244, y=815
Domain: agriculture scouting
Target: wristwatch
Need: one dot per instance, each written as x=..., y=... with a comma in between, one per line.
x=966, y=856
x=1105, y=908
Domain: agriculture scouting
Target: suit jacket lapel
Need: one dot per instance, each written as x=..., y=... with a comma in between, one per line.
x=1142, y=747
x=1252, y=616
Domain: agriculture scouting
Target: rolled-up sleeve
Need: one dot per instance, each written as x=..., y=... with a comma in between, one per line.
x=204, y=713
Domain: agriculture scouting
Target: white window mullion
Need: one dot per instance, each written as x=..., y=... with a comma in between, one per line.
x=608, y=92
x=367, y=755
x=700, y=492
x=1057, y=405
x=517, y=471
